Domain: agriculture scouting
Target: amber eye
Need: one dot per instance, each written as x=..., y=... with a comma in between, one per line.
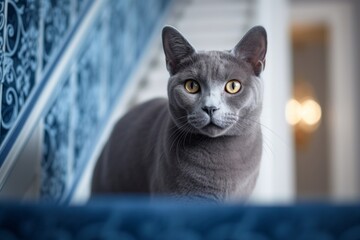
x=192, y=86
x=233, y=86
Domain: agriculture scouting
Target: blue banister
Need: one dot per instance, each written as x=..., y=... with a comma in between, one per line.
x=39, y=33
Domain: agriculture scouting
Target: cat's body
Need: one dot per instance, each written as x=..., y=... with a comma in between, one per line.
x=205, y=141
x=190, y=164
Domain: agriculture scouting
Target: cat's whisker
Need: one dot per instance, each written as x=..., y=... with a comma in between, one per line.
x=266, y=144
x=180, y=124
x=269, y=130
x=187, y=133
x=178, y=118
x=176, y=126
x=181, y=135
x=181, y=138
x=174, y=133
x=177, y=134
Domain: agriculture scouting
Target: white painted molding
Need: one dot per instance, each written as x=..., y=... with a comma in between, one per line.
x=276, y=179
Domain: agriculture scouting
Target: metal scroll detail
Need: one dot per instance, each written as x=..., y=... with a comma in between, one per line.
x=55, y=167
x=56, y=19
x=88, y=98
x=32, y=34
x=19, y=57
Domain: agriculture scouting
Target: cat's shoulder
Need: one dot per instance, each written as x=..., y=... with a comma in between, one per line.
x=149, y=107
x=155, y=104
x=143, y=114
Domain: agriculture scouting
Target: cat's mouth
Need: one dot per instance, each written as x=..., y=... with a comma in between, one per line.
x=210, y=126
x=212, y=130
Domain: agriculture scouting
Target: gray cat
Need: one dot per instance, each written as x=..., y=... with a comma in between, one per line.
x=205, y=140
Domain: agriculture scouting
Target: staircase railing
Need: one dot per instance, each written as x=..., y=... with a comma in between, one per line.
x=64, y=65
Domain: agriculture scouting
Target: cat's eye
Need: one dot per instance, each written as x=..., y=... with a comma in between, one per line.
x=192, y=86
x=233, y=86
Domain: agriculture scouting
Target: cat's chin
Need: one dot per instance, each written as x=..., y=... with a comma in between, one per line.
x=212, y=130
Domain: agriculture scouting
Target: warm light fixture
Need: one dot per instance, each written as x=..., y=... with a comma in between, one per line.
x=305, y=113
x=293, y=112
x=311, y=112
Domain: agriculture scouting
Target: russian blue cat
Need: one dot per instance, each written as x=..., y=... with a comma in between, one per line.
x=204, y=141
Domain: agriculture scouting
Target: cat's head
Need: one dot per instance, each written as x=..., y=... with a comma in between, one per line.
x=215, y=93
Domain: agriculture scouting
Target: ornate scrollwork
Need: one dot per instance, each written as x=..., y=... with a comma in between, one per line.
x=81, y=5
x=2, y=25
x=88, y=97
x=55, y=162
x=31, y=33
x=19, y=60
x=115, y=42
x=56, y=17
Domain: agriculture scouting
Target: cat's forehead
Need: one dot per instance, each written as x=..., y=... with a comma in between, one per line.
x=213, y=65
x=216, y=57
x=217, y=65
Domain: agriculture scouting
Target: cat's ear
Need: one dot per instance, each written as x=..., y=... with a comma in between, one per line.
x=176, y=48
x=252, y=48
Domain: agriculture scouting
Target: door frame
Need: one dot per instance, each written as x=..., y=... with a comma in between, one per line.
x=341, y=112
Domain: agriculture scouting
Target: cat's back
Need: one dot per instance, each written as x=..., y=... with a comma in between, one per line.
x=126, y=157
x=142, y=115
x=137, y=125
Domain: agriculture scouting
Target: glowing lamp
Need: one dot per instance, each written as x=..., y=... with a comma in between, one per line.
x=307, y=113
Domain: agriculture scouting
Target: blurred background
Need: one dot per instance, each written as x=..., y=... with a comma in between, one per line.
x=70, y=69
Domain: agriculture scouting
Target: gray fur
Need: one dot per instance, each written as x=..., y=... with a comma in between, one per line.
x=173, y=146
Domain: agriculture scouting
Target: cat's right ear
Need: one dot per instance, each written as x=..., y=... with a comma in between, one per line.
x=176, y=48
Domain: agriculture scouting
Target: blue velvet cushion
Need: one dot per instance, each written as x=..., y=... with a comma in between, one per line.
x=138, y=218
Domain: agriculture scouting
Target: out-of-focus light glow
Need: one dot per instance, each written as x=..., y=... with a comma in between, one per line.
x=293, y=112
x=311, y=112
x=308, y=112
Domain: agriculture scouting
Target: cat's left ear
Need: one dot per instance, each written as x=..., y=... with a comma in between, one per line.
x=252, y=48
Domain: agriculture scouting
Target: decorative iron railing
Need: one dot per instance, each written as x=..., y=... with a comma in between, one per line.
x=34, y=34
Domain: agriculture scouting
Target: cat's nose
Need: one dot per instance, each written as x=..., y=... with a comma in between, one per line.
x=210, y=110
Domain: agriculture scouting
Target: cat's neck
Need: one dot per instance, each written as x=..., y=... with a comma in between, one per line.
x=234, y=148
x=229, y=164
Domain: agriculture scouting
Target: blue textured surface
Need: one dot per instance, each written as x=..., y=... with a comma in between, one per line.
x=56, y=18
x=54, y=165
x=109, y=53
x=165, y=219
x=19, y=47
x=33, y=35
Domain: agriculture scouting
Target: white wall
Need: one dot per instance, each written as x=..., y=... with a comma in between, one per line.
x=276, y=181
